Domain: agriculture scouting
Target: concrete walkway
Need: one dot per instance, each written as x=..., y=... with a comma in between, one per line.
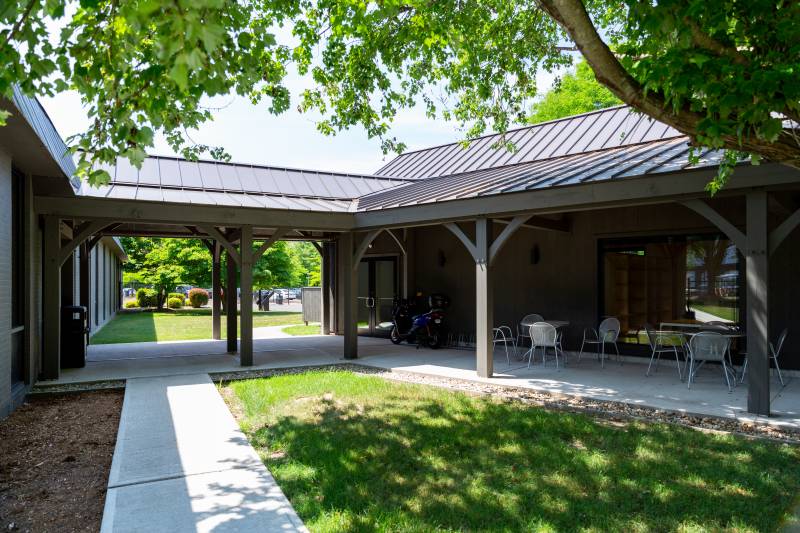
x=181, y=463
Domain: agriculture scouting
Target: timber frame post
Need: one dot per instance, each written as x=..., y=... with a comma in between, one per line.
x=325, y=287
x=756, y=244
x=51, y=298
x=484, y=250
x=349, y=273
x=246, y=319
x=216, y=290
x=231, y=305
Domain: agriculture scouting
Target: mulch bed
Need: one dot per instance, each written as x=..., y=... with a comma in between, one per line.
x=55, y=456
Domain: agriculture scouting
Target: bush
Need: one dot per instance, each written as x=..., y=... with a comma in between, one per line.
x=179, y=295
x=174, y=303
x=198, y=297
x=146, y=298
x=130, y=304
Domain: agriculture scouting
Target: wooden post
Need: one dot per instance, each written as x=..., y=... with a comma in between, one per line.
x=216, y=291
x=484, y=304
x=349, y=294
x=757, y=272
x=51, y=299
x=85, y=282
x=230, y=302
x=325, y=284
x=246, y=320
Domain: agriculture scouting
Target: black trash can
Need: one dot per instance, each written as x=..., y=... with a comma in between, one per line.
x=74, y=328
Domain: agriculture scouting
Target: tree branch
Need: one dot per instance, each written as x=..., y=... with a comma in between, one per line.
x=705, y=41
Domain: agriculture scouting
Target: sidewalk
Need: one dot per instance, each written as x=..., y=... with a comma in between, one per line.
x=181, y=463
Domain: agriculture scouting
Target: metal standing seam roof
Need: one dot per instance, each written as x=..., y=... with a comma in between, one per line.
x=597, y=130
x=170, y=179
x=655, y=157
x=35, y=115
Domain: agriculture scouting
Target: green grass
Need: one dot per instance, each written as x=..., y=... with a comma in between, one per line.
x=723, y=312
x=357, y=453
x=302, y=329
x=184, y=324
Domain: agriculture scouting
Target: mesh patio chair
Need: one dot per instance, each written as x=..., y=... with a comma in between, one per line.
x=524, y=327
x=606, y=333
x=544, y=336
x=503, y=335
x=774, y=353
x=708, y=346
x=662, y=343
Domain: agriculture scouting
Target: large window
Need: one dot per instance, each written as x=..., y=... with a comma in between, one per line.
x=669, y=279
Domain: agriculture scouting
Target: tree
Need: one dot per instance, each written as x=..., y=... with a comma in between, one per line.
x=309, y=260
x=576, y=92
x=165, y=263
x=723, y=72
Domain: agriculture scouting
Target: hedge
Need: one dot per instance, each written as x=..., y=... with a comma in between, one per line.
x=198, y=297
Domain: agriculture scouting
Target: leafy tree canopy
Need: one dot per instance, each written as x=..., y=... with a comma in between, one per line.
x=576, y=92
x=724, y=72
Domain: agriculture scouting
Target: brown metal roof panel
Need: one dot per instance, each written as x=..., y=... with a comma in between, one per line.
x=190, y=174
x=168, y=174
x=209, y=175
x=541, y=135
x=441, y=165
x=662, y=152
x=609, y=130
x=561, y=140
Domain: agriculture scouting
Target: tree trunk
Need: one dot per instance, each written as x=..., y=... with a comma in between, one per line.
x=573, y=17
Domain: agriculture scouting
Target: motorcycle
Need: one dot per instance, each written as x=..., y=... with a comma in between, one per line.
x=424, y=329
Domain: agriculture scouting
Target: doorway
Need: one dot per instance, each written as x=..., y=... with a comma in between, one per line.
x=377, y=288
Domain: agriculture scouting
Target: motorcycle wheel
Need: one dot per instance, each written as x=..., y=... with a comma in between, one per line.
x=395, y=337
x=435, y=341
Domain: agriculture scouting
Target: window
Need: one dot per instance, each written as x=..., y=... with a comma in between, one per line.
x=17, y=276
x=669, y=279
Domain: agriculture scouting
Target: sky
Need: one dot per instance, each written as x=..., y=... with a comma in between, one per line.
x=250, y=134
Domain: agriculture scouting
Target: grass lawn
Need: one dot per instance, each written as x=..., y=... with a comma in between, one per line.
x=302, y=329
x=725, y=313
x=184, y=324
x=359, y=453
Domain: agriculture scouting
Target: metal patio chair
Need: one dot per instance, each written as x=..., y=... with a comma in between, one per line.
x=503, y=335
x=774, y=353
x=544, y=336
x=606, y=333
x=658, y=340
x=708, y=346
x=524, y=328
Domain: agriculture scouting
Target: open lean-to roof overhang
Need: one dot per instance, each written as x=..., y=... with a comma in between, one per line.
x=600, y=159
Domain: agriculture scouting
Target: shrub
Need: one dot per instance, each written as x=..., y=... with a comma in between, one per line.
x=174, y=303
x=198, y=297
x=177, y=295
x=130, y=304
x=146, y=298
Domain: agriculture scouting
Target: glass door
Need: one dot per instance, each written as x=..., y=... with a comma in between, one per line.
x=377, y=288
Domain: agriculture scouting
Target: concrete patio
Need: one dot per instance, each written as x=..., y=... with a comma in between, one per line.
x=626, y=383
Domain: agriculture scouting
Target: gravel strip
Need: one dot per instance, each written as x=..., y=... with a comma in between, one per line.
x=608, y=410
x=39, y=391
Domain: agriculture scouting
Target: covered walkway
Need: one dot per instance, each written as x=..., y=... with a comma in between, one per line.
x=626, y=383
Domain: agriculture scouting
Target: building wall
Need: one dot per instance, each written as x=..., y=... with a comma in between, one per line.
x=104, y=297
x=5, y=284
x=565, y=285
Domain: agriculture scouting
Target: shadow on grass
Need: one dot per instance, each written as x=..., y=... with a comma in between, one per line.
x=439, y=460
